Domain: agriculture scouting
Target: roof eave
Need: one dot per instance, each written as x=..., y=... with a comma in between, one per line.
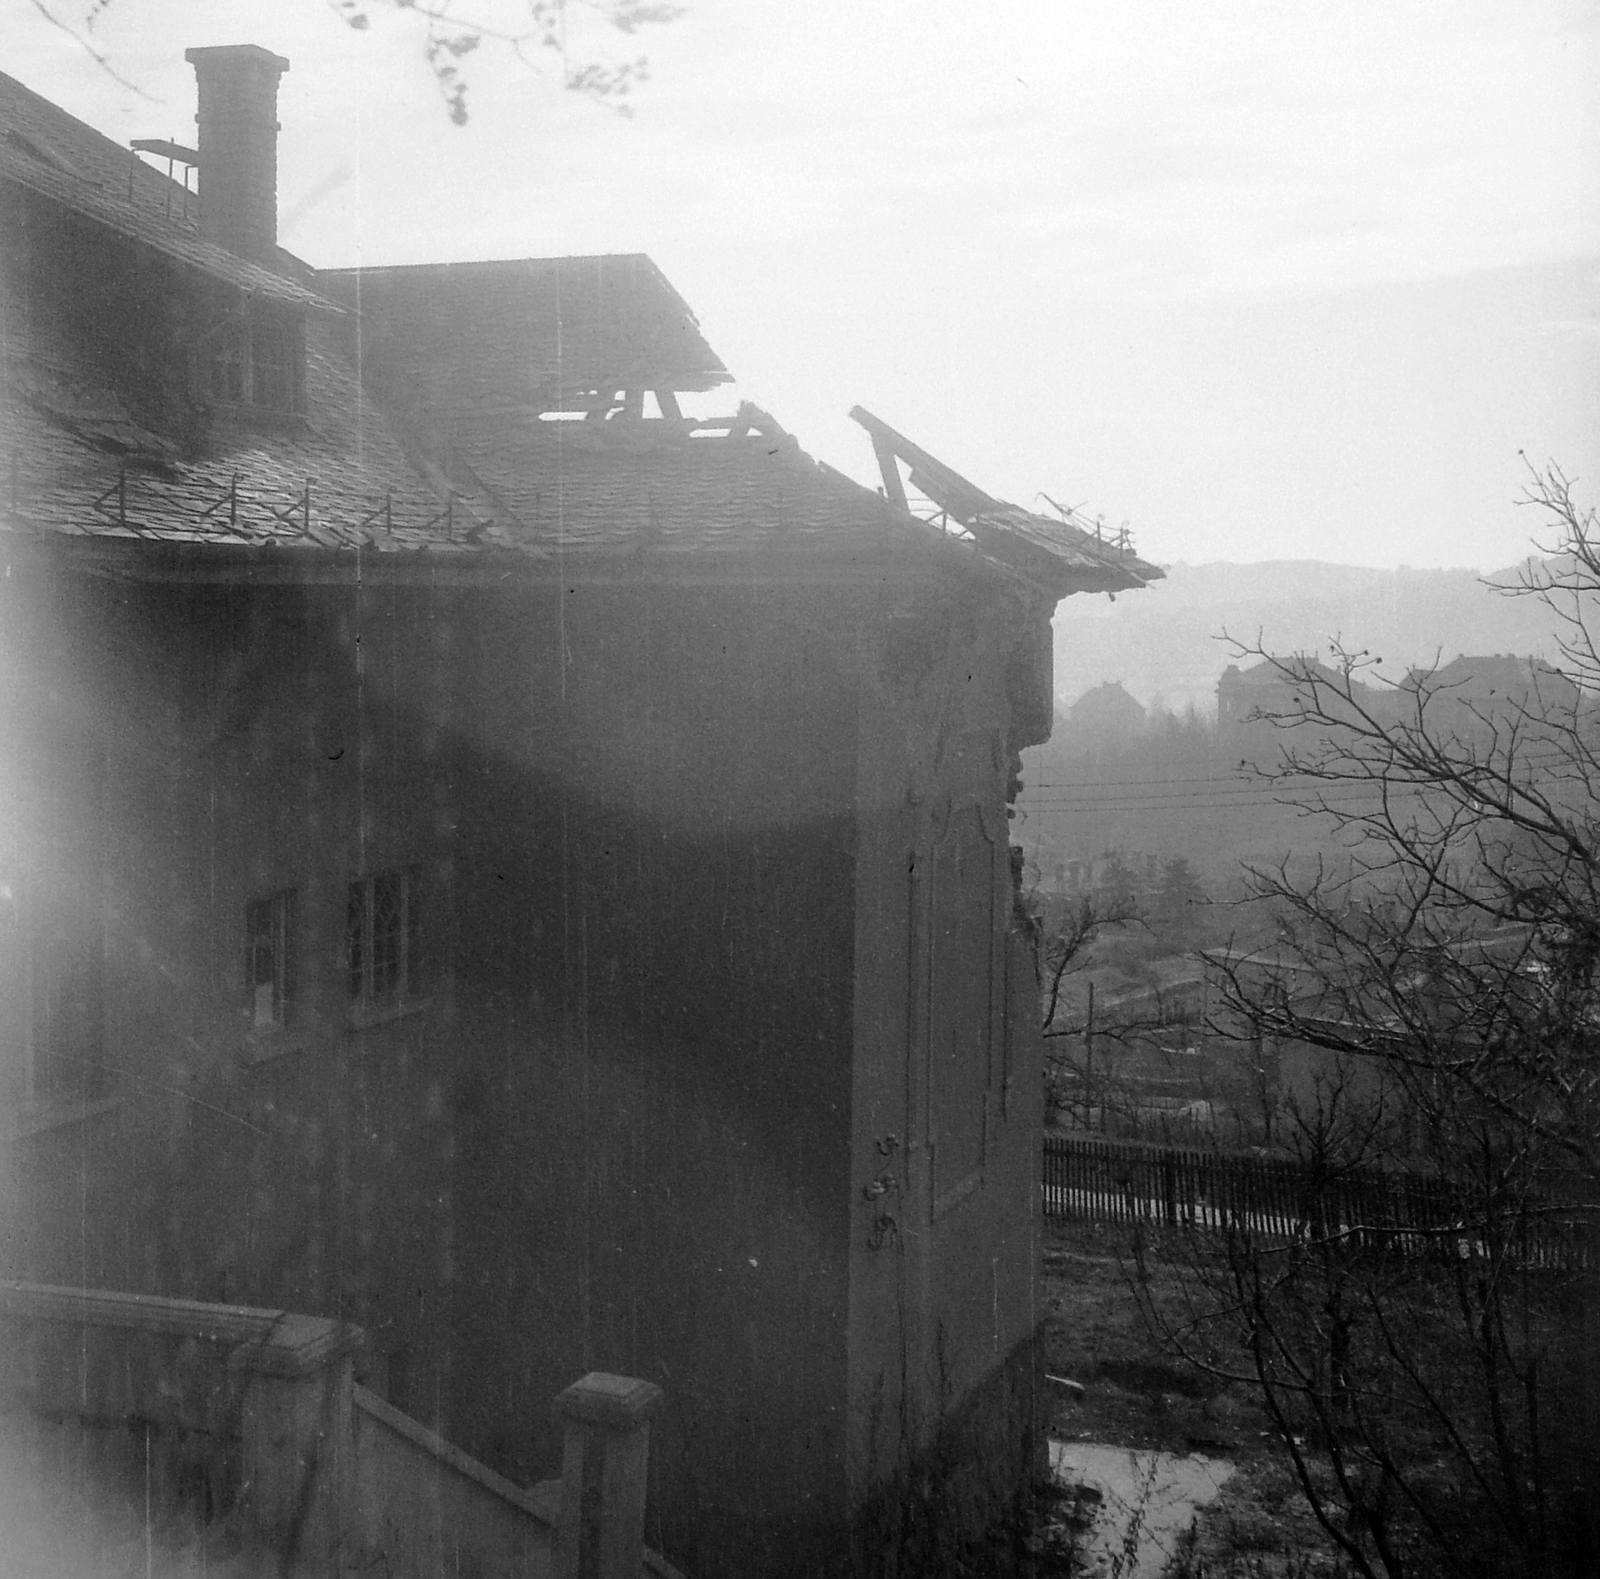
x=876, y=557
x=1056, y=556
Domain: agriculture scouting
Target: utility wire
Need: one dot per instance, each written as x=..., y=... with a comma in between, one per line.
x=1259, y=777
x=1197, y=803
x=1253, y=792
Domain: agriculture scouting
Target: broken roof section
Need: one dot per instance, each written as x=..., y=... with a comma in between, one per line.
x=427, y=421
x=452, y=343
x=45, y=151
x=1055, y=552
x=655, y=488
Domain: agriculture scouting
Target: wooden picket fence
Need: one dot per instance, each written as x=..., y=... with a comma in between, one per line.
x=1281, y=1199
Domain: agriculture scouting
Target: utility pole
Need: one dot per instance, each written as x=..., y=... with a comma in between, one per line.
x=1088, y=1067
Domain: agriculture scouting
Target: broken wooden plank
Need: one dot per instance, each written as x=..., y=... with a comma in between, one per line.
x=893, y=489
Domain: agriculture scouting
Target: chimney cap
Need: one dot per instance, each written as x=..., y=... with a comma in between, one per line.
x=242, y=54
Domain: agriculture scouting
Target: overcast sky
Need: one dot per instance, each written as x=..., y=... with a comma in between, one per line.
x=1266, y=279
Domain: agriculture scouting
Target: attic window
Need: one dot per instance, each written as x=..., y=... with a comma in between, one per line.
x=256, y=361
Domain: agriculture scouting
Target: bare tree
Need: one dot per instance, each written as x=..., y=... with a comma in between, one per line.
x=563, y=31
x=1064, y=937
x=1429, y=1355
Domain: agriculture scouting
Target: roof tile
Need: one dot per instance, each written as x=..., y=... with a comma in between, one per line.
x=47, y=151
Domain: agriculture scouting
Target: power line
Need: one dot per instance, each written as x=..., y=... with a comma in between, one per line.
x=1203, y=803
x=1212, y=778
x=1266, y=793
x=1253, y=792
x=1261, y=777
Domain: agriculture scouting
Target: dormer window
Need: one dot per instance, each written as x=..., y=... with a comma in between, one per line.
x=256, y=359
x=274, y=362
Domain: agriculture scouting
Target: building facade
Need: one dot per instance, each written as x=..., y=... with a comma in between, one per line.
x=495, y=860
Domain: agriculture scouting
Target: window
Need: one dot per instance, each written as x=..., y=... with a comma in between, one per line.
x=269, y=960
x=381, y=937
x=274, y=355
x=255, y=360
x=230, y=367
x=52, y=929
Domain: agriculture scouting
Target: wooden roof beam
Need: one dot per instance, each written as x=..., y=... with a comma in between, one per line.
x=948, y=489
x=894, y=490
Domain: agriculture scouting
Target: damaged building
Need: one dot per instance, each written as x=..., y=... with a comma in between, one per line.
x=490, y=859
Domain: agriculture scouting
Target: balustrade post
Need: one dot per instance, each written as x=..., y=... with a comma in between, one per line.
x=296, y=1428
x=604, y=1460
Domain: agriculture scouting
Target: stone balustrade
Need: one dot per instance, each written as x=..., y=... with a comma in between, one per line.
x=255, y=1415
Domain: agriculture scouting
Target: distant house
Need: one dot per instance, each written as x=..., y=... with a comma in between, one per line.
x=1479, y=692
x=488, y=857
x=1106, y=713
x=1493, y=686
x=1249, y=698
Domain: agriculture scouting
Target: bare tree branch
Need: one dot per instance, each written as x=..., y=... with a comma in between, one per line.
x=94, y=54
x=451, y=34
x=1439, y=970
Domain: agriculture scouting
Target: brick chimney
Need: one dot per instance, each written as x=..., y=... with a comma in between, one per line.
x=239, y=146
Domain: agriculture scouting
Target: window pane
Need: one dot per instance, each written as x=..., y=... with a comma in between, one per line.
x=271, y=385
x=286, y=956
x=388, y=933
x=413, y=972
x=272, y=364
x=269, y=958
x=356, y=938
x=225, y=374
x=260, y=944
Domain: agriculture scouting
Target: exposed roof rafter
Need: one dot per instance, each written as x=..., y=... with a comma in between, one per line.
x=1057, y=553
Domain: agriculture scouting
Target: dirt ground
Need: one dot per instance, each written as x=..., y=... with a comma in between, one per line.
x=1136, y=1396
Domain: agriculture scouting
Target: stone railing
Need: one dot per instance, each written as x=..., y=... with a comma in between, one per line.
x=249, y=1422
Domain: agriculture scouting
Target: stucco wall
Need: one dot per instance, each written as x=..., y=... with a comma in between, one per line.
x=664, y=999
x=947, y=1094
x=610, y=1130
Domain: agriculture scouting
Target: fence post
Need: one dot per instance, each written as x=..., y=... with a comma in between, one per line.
x=605, y=1456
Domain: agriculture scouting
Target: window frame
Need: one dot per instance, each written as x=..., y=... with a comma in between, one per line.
x=53, y=965
x=276, y=362
x=254, y=351
x=376, y=980
x=279, y=911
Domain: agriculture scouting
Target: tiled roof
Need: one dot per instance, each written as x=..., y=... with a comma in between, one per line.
x=652, y=486
x=77, y=461
x=1068, y=545
x=1107, y=700
x=1494, y=672
x=86, y=466
x=1284, y=673
x=90, y=157
x=456, y=340
x=443, y=449
x=47, y=151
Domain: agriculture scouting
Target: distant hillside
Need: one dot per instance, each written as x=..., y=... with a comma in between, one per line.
x=1160, y=642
